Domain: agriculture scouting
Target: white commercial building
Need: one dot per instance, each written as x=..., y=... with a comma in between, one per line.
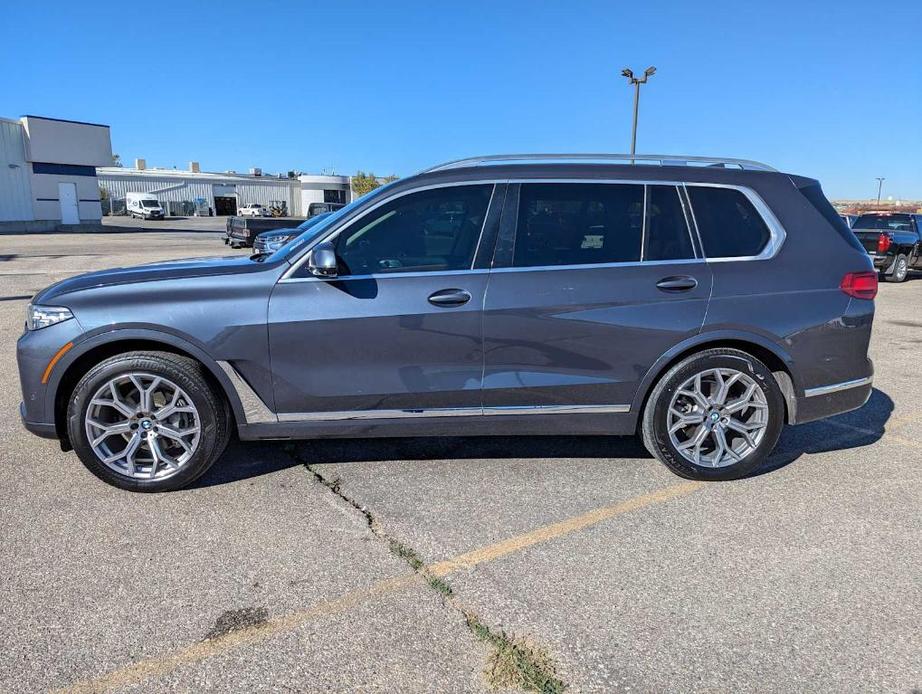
x=48, y=172
x=188, y=192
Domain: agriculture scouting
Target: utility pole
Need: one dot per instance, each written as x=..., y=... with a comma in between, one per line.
x=880, y=184
x=636, y=81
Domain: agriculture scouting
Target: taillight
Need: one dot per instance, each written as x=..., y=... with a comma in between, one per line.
x=860, y=285
x=883, y=243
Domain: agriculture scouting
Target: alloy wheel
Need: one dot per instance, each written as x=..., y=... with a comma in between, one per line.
x=142, y=426
x=717, y=417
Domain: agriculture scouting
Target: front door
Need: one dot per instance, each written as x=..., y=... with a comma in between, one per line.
x=600, y=279
x=400, y=328
x=67, y=195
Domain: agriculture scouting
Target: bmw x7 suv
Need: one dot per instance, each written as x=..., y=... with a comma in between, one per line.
x=677, y=298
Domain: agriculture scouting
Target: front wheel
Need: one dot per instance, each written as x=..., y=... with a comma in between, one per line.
x=147, y=421
x=715, y=415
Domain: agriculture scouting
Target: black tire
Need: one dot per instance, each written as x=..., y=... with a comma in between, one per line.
x=654, y=428
x=899, y=271
x=189, y=375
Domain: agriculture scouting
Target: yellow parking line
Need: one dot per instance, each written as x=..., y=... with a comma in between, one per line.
x=554, y=530
x=161, y=665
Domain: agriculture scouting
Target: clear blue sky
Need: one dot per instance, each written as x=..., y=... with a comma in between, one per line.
x=827, y=89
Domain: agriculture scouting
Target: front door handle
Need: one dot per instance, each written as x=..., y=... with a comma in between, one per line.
x=449, y=297
x=677, y=283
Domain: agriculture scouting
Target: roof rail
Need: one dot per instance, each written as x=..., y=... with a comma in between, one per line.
x=661, y=159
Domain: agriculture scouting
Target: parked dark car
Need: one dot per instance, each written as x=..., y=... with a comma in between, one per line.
x=507, y=295
x=892, y=239
x=241, y=232
x=271, y=241
x=849, y=219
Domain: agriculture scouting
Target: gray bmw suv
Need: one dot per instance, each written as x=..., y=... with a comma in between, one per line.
x=701, y=303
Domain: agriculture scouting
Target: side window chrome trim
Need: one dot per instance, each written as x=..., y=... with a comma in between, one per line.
x=590, y=266
x=335, y=232
x=389, y=275
x=776, y=231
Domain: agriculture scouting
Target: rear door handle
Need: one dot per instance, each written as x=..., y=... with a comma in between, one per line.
x=677, y=283
x=449, y=297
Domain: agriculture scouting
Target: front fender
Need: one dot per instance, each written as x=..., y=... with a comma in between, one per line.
x=173, y=340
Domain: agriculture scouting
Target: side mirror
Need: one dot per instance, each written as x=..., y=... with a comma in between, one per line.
x=322, y=261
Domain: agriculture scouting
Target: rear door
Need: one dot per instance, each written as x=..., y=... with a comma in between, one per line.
x=592, y=283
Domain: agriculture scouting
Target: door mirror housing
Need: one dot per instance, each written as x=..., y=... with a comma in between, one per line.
x=322, y=261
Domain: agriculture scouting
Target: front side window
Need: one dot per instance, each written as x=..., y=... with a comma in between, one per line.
x=578, y=223
x=429, y=231
x=728, y=223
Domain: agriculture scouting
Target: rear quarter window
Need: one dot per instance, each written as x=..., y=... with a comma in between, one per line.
x=815, y=197
x=729, y=224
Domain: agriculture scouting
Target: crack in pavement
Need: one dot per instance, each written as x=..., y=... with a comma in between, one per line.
x=515, y=661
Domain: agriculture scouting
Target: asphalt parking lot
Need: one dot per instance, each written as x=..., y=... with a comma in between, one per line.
x=463, y=564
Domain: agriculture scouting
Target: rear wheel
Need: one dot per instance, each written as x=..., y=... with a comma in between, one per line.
x=147, y=421
x=900, y=269
x=715, y=415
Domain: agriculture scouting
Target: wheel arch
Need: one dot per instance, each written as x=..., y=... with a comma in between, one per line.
x=776, y=359
x=109, y=344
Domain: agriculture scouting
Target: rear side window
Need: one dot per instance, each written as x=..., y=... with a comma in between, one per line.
x=667, y=235
x=729, y=225
x=578, y=223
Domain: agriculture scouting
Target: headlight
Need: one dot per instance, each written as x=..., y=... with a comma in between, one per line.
x=277, y=242
x=38, y=317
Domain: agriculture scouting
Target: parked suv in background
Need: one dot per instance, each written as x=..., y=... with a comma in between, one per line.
x=892, y=239
x=552, y=294
x=271, y=241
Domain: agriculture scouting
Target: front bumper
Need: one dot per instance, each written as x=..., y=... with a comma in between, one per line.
x=45, y=430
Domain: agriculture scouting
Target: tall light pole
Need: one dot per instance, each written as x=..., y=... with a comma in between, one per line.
x=637, y=81
x=880, y=184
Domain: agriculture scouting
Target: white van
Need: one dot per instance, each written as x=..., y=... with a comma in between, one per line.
x=143, y=205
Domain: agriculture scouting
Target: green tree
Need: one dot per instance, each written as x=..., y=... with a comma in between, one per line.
x=366, y=182
x=116, y=160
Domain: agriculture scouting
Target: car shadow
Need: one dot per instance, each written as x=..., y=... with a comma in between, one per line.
x=246, y=460
x=856, y=429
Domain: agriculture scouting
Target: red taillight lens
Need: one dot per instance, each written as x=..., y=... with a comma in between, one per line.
x=860, y=285
x=883, y=243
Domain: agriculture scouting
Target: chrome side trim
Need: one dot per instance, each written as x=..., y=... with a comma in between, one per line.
x=377, y=414
x=558, y=409
x=836, y=387
x=254, y=409
x=364, y=415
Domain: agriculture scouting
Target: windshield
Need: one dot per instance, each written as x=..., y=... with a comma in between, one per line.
x=150, y=203
x=325, y=222
x=892, y=222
